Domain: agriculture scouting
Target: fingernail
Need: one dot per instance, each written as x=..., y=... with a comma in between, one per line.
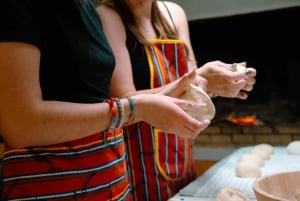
x=205, y=121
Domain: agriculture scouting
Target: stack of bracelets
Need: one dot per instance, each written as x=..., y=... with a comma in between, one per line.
x=117, y=116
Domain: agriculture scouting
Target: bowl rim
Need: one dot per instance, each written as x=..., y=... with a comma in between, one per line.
x=255, y=185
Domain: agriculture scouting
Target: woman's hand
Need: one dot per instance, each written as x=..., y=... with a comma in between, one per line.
x=166, y=113
x=223, y=79
x=178, y=87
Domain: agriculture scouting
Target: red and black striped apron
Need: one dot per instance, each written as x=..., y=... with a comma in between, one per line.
x=88, y=169
x=160, y=163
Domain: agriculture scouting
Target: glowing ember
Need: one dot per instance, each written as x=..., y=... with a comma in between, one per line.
x=243, y=120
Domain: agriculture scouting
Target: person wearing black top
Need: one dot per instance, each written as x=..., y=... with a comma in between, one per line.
x=61, y=128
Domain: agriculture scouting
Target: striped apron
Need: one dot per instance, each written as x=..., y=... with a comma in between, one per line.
x=88, y=169
x=160, y=163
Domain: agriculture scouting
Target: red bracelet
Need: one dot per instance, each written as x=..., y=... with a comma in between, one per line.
x=113, y=112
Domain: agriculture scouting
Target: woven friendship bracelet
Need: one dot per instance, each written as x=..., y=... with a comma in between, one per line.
x=120, y=112
x=113, y=112
x=132, y=109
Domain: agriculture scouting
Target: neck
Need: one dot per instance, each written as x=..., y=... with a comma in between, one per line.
x=142, y=13
x=141, y=9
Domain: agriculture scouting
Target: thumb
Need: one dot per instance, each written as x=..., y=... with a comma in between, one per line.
x=189, y=78
x=191, y=75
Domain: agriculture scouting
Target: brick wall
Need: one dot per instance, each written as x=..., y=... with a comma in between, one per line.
x=224, y=136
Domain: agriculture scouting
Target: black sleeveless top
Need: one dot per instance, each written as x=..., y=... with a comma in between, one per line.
x=76, y=60
x=139, y=62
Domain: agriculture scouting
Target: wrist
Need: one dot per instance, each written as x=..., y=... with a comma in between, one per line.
x=117, y=112
x=129, y=104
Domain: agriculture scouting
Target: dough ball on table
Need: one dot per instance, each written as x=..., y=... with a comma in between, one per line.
x=252, y=158
x=293, y=148
x=263, y=150
x=265, y=147
x=264, y=155
x=231, y=194
x=196, y=94
x=247, y=170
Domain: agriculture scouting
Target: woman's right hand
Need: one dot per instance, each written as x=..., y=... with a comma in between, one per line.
x=166, y=113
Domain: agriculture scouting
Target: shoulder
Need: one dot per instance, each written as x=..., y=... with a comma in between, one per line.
x=177, y=13
x=112, y=23
x=106, y=11
x=110, y=16
x=174, y=8
x=19, y=21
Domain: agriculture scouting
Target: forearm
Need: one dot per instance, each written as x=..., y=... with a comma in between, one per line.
x=157, y=90
x=174, y=89
x=51, y=122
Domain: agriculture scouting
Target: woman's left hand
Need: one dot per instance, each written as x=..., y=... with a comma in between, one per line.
x=178, y=87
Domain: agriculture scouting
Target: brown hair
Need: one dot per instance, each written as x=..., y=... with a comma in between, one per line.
x=161, y=27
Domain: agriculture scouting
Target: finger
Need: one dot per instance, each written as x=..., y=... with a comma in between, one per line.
x=226, y=66
x=250, y=80
x=251, y=72
x=248, y=87
x=234, y=89
x=193, y=130
x=201, y=82
x=240, y=83
x=232, y=74
x=242, y=95
x=244, y=63
x=190, y=76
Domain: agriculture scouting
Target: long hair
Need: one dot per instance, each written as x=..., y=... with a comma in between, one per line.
x=162, y=28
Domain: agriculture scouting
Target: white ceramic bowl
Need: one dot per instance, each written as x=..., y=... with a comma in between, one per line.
x=284, y=186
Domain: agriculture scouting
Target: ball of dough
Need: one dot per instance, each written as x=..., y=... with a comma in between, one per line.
x=240, y=68
x=262, y=150
x=293, y=148
x=247, y=170
x=246, y=70
x=231, y=194
x=252, y=158
x=196, y=94
x=265, y=147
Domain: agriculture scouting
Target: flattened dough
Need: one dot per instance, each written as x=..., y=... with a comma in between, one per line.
x=231, y=194
x=194, y=93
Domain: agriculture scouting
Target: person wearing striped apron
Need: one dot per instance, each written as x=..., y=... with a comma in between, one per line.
x=150, y=40
x=160, y=163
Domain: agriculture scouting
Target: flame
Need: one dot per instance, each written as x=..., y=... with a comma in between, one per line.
x=244, y=120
